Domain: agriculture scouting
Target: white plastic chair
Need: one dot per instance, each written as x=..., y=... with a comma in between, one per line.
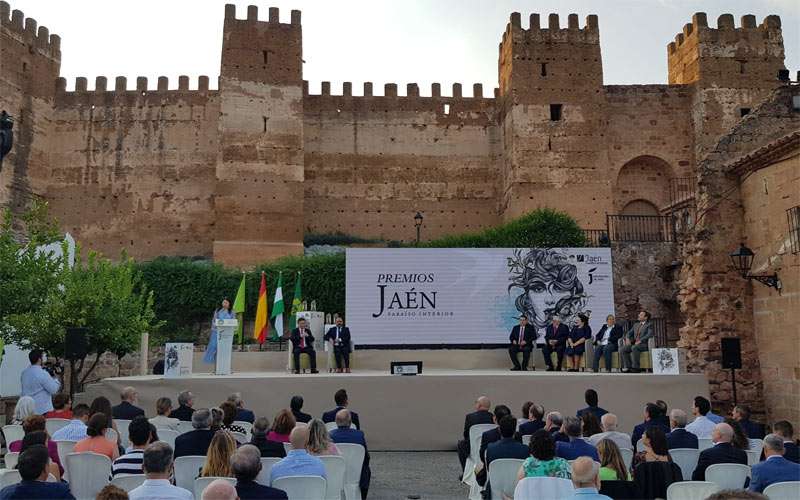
x=186, y=469
x=534, y=488
x=686, y=459
x=122, y=427
x=64, y=449
x=240, y=437
x=786, y=490
x=9, y=477
x=756, y=445
x=266, y=469
x=526, y=439
x=474, y=458
x=728, y=476
x=54, y=424
x=11, y=458
x=503, y=476
x=128, y=481
x=301, y=487
x=184, y=426
x=335, y=467
x=332, y=425
x=627, y=456
x=753, y=457
x=353, y=455
x=201, y=483
x=704, y=443
x=691, y=490
x=13, y=432
x=168, y=436
x=88, y=473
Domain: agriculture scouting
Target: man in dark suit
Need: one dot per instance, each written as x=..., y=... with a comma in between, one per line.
x=679, y=437
x=493, y=435
x=636, y=342
x=197, y=441
x=591, y=398
x=33, y=469
x=303, y=343
x=184, y=410
x=246, y=464
x=535, y=422
x=555, y=337
x=340, y=336
x=784, y=429
x=481, y=415
x=296, y=404
x=553, y=424
x=605, y=343
x=775, y=468
x=242, y=413
x=577, y=446
x=651, y=412
x=741, y=413
x=722, y=452
x=506, y=447
x=342, y=402
x=522, y=338
x=344, y=434
x=127, y=410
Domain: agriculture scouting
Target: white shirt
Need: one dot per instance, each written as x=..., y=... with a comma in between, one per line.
x=162, y=422
x=75, y=430
x=701, y=427
x=606, y=334
x=159, y=489
x=39, y=385
x=540, y=337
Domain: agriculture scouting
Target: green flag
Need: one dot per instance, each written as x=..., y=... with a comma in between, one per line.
x=277, y=310
x=238, y=308
x=296, y=303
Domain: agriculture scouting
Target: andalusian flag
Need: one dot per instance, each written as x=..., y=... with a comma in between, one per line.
x=277, y=310
x=260, y=331
x=296, y=303
x=238, y=308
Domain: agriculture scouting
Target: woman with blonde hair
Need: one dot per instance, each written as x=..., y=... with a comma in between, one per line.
x=218, y=459
x=319, y=442
x=612, y=465
x=162, y=420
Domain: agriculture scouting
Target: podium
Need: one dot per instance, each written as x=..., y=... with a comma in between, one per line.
x=225, y=332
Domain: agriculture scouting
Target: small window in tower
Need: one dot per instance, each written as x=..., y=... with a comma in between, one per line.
x=744, y=111
x=265, y=123
x=24, y=67
x=741, y=67
x=265, y=54
x=555, y=112
x=447, y=109
x=544, y=69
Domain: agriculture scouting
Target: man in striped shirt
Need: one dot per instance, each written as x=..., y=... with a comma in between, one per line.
x=140, y=437
x=75, y=430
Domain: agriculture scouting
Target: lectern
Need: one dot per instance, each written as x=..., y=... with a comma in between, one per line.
x=225, y=331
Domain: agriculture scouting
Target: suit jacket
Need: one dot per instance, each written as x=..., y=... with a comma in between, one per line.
x=775, y=469
x=268, y=448
x=722, y=453
x=506, y=448
x=477, y=417
x=487, y=438
x=653, y=478
x=244, y=415
x=344, y=435
x=638, y=431
x=529, y=335
x=575, y=448
x=528, y=428
x=330, y=416
x=126, y=411
x=302, y=417
x=616, y=334
x=559, y=335
x=295, y=338
x=26, y=490
x=182, y=413
x=681, y=438
x=559, y=437
x=194, y=442
x=344, y=337
x=247, y=490
x=752, y=429
x=791, y=452
x=598, y=412
x=646, y=331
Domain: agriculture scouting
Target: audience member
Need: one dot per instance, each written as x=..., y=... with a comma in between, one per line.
x=265, y=446
x=736, y=495
x=679, y=437
x=75, y=430
x=534, y=423
x=319, y=442
x=32, y=467
x=242, y=413
x=609, y=424
x=717, y=419
x=543, y=461
x=577, y=446
x=24, y=408
x=345, y=434
x=184, y=410
x=96, y=440
x=36, y=423
x=586, y=479
x=722, y=452
x=229, y=416
x=140, y=436
x=216, y=418
x=246, y=464
x=296, y=404
x=197, y=441
x=342, y=402
x=127, y=409
x=40, y=438
x=589, y=424
x=219, y=489
x=590, y=396
x=612, y=465
x=157, y=466
x=101, y=404
x=655, y=448
x=218, y=459
x=740, y=439
x=651, y=412
x=701, y=426
x=506, y=447
x=162, y=420
x=481, y=415
x=493, y=435
x=775, y=468
x=784, y=429
x=62, y=407
x=652, y=478
x=282, y=426
x=553, y=424
x=111, y=492
x=298, y=461
x=741, y=413
x=663, y=414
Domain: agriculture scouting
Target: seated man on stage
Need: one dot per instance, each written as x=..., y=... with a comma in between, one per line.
x=340, y=335
x=303, y=342
x=636, y=342
x=522, y=338
x=555, y=336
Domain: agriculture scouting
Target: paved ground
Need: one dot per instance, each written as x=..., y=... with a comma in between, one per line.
x=415, y=475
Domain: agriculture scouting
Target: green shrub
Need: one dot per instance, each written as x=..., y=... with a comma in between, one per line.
x=337, y=238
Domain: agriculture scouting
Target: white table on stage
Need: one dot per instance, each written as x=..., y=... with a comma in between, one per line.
x=225, y=332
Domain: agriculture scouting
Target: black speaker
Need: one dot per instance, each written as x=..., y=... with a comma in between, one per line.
x=76, y=343
x=731, y=353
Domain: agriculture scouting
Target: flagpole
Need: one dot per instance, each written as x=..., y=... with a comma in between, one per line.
x=241, y=321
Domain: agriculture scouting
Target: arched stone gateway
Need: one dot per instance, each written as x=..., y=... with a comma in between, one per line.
x=643, y=185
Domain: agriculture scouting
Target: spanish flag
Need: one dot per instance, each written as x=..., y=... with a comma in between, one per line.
x=260, y=331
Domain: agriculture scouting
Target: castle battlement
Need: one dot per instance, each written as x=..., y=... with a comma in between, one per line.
x=390, y=90
x=553, y=32
x=26, y=28
x=121, y=85
x=725, y=30
x=252, y=15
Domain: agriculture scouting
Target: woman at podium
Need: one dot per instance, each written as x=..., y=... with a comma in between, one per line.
x=224, y=312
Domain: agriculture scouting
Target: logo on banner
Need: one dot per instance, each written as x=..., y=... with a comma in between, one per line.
x=399, y=303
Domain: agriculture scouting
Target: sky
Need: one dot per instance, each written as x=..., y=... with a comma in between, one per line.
x=399, y=41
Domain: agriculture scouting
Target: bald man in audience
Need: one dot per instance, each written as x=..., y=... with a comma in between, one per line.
x=586, y=479
x=298, y=461
x=609, y=424
x=722, y=452
x=220, y=489
x=481, y=415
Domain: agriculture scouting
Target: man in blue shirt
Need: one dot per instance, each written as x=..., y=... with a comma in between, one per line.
x=32, y=466
x=344, y=434
x=38, y=384
x=585, y=478
x=298, y=461
x=775, y=469
x=577, y=446
x=75, y=430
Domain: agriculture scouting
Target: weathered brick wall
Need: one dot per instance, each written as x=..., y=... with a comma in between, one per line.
x=644, y=278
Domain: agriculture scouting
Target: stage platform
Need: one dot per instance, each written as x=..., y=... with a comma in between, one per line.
x=423, y=412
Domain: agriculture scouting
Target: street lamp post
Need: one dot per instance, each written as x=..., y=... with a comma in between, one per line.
x=742, y=260
x=418, y=224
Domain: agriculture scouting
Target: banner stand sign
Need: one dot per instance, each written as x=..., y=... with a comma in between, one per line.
x=178, y=360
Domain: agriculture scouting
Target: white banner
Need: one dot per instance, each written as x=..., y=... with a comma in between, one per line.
x=178, y=360
x=471, y=296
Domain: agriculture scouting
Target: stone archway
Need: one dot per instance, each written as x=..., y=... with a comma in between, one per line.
x=644, y=179
x=640, y=207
